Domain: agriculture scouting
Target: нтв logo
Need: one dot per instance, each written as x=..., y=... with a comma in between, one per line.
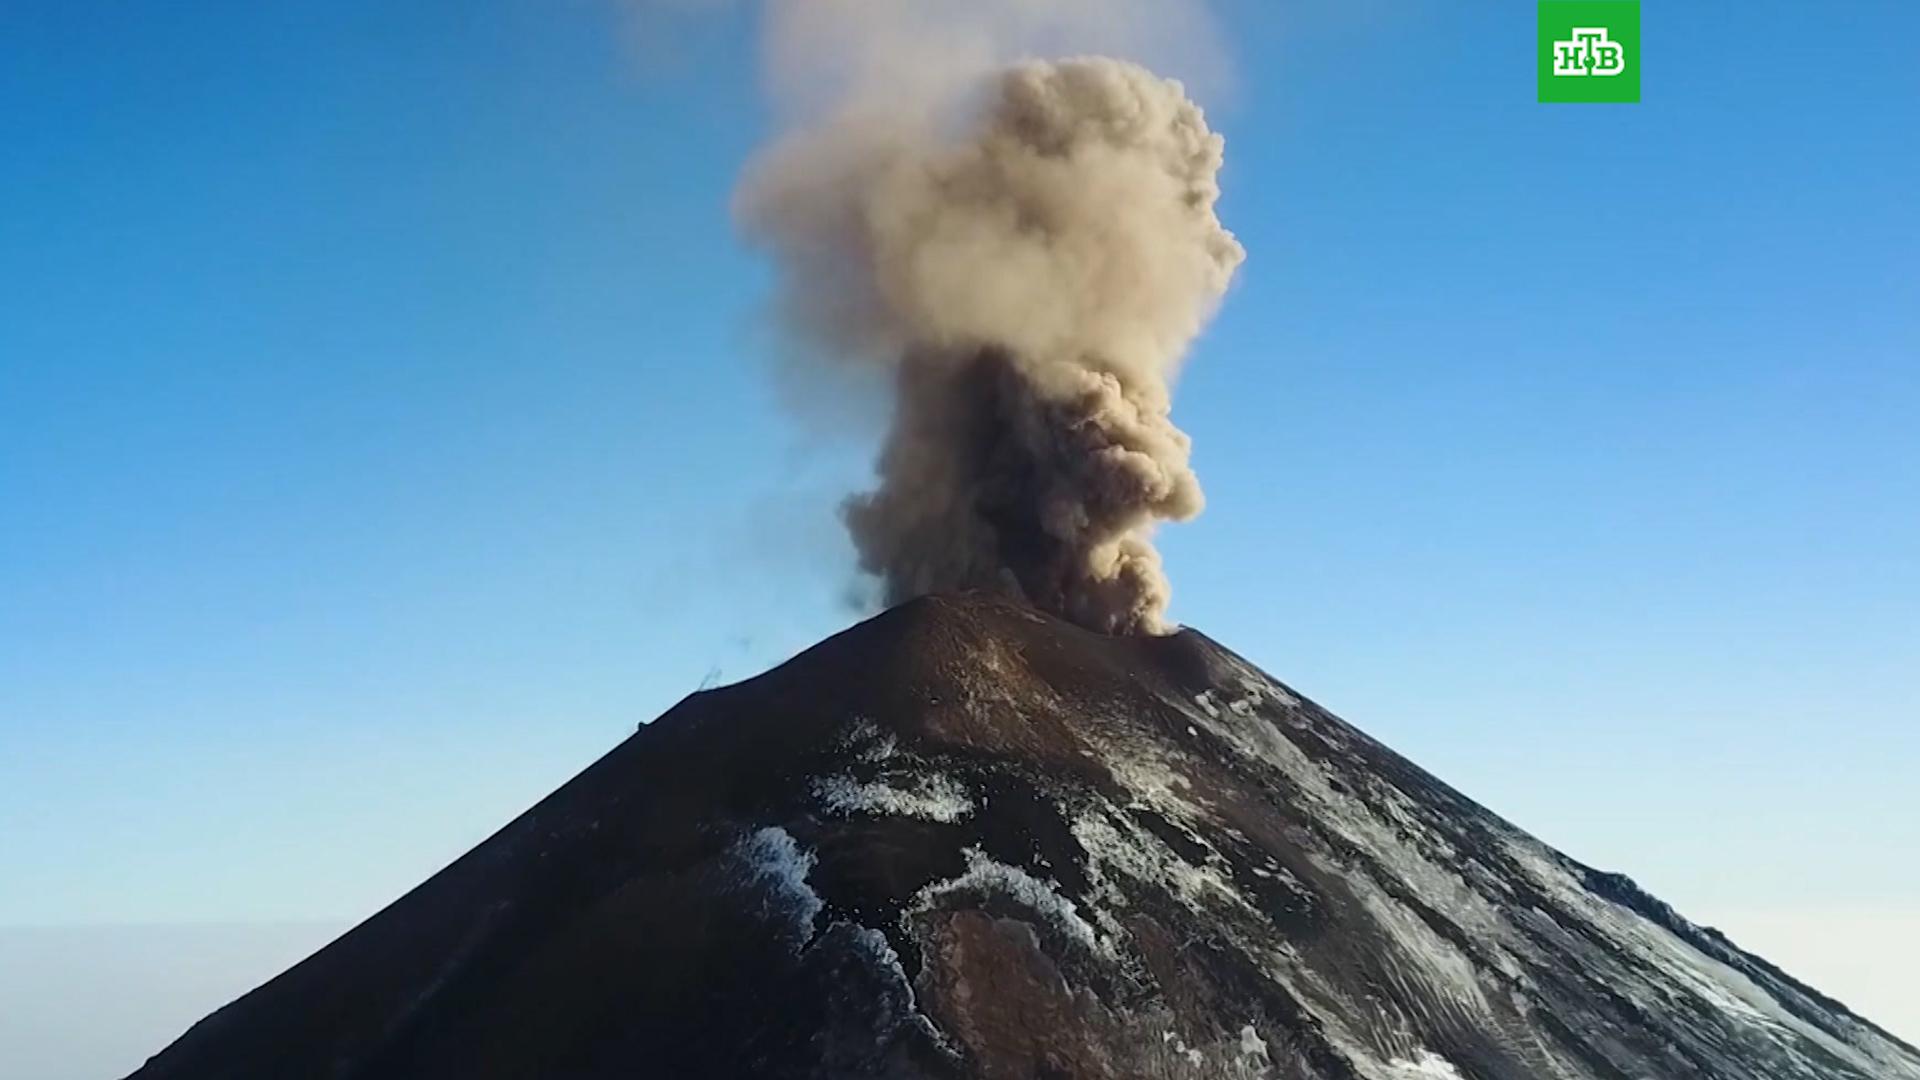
x=1589, y=50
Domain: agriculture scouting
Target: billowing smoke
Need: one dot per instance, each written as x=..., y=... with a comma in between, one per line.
x=1026, y=252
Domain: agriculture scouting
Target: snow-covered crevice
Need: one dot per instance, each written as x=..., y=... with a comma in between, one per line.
x=866, y=742
x=1435, y=969
x=1051, y=908
x=1128, y=865
x=883, y=780
x=773, y=869
x=873, y=946
x=772, y=866
x=1427, y=1066
x=1153, y=776
x=928, y=796
x=1117, y=846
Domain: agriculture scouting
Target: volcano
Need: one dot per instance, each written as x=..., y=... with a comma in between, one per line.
x=964, y=839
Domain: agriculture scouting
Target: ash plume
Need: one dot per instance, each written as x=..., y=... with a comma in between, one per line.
x=1025, y=251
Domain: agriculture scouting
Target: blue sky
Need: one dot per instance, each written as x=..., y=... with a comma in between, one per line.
x=386, y=428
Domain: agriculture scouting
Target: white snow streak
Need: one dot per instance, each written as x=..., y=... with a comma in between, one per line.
x=1429, y=1066
x=928, y=796
x=772, y=860
x=983, y=874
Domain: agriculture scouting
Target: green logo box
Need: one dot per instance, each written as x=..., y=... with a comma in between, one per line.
x=1589, y=50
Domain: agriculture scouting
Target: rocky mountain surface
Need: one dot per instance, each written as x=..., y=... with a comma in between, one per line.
x=963, y=839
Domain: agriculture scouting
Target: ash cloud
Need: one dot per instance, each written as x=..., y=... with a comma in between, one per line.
x=1024, y=250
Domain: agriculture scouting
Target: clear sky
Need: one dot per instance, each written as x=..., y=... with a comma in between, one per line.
x=386, y=429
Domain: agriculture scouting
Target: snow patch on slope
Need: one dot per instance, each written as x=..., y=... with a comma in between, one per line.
x=774, y=865
x=985, y=875
x=868, y=743
x=927, y=796
x=1428, y=1066
x=1252, y=1046
x=1115, y=843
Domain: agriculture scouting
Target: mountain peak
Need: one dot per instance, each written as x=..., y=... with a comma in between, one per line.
x=965, y=839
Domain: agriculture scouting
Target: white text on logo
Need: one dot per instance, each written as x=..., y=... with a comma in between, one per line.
x=1588, y=52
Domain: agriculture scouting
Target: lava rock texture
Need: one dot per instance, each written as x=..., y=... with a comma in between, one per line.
x=963, y=839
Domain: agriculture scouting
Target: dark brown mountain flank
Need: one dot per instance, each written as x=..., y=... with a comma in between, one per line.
x=966, y=840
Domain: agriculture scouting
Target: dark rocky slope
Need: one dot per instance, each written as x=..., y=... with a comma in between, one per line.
x=966, y=840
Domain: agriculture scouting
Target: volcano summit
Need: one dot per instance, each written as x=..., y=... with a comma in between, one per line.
x=964, y=839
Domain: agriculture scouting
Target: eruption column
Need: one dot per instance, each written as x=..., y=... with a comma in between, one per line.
x=1031, y=275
